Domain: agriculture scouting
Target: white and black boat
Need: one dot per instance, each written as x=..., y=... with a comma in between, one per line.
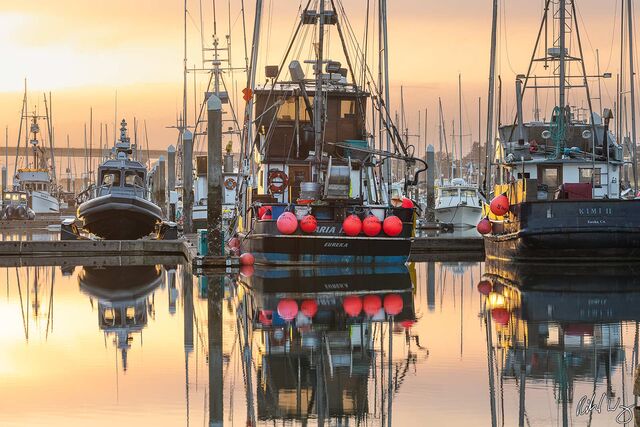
x=559, y=193
x=320, y=165
x=458, y=203
x=120, y=207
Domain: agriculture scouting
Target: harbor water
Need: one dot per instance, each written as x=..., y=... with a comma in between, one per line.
x=435, y=343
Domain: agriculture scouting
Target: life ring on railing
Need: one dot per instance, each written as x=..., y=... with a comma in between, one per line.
x=230, y=184
x=278, y=181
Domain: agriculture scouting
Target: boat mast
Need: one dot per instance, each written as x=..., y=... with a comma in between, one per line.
x=562, y=42
x=460, y=121
x=490, y=99
x=318, y=106
x=633, y=97
x=251, y=84
x=385, y=47
x=440, y=130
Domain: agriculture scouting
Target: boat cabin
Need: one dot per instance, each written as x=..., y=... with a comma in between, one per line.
x=31, y=180
x=123, y=176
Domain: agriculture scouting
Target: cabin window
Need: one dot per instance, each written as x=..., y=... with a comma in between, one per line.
x=450, y=193
x=132, y=178
x=347, y=109
x=287, y=111
x=527, y=175
x=111, y=178
x=585, y=176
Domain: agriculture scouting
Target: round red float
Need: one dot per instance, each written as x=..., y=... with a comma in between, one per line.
x=287, y=223
x=500, y=315
x=484, y=226
x=247, y=259
x=371, y=304
x=246, y=270
x=484, y=287
x=308, y=224
x=288, y=309
x=352, y=225
x=500, y=205
x=393, y=304
x=309, y=307
x=392, y=225
x=352, y=305
x=407, y=323
x=371, y=226
x=407, y=203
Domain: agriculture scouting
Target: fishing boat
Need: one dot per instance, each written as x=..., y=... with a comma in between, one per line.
x=559, y=193
x=36, y=179
x=119, y=208
x=458, y=203
x=319, y=194
x=15, y=205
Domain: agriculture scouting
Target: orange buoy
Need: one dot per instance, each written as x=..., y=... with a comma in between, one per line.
x=484, y=287
x=500, y=315
x=371, y=226
x=288, y=309
x=352, y=305
x=393, y=304
x=392, y=225
x=371, y=304
x=308, y=224
x=352, y=225
x=287, y=223
x=484, y=226
x=247, y=259
x=500, y=205
x=407, y=203
x=309, y=307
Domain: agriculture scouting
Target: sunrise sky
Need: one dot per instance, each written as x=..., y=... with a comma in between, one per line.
x=85, y=51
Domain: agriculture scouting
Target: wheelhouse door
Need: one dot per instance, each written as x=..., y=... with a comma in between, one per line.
x=297, y=174
x=551, y=177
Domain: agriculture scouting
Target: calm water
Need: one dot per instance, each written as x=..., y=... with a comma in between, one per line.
x=153, y=345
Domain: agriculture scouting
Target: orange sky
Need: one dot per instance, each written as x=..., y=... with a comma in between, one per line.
x=84, y=51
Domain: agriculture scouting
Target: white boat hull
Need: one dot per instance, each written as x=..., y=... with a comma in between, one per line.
x=44, y=203
x=462, y=216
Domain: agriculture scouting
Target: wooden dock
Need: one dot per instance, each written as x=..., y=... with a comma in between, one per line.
x=446, y=247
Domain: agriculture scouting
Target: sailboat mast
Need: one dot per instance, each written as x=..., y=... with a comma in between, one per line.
x=633, y=97
x=318, y=97
x=460, y=121
x=562, y=42
x=385, y=48
x=440, y=130
x=490, y=98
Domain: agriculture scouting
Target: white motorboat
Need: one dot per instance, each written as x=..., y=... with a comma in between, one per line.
x=458, y=203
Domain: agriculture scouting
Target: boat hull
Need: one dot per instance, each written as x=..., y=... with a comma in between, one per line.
x=44, y=203
x=569, y=231
x=328, y=246
x=119, y=217
x=463, y=216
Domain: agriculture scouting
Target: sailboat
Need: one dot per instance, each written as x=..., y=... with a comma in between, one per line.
x=318, y=194
x=558, y=194
x=38, y=178
x=457, y=202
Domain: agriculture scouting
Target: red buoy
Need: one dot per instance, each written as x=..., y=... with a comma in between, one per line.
x=288, y=309
x=407, y=203
x=500, y=315
x=263, y=210
x=247, y=259
x=234, y=243
x=393, y=304
x=287, y=223
x=371, y=304
x=309, y=307
x=500, y=205
x=407, y=323
x=392, y=225
x=308, y=224
x=352, y=225
x=352, y=305
x=484, y=287
x=371, y=226
x=484, y=226
x=246, y=270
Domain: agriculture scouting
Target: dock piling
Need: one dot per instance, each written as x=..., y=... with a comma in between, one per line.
x=431, y=177
x=187, y=182
x=214, y=176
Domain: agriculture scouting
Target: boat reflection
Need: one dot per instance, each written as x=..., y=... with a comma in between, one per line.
x=329, y=344
x=549, y=335
x=123, y=295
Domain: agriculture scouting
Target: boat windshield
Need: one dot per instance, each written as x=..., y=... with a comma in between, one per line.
x=111, y=177
x=450, y=193
x=133, y=179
